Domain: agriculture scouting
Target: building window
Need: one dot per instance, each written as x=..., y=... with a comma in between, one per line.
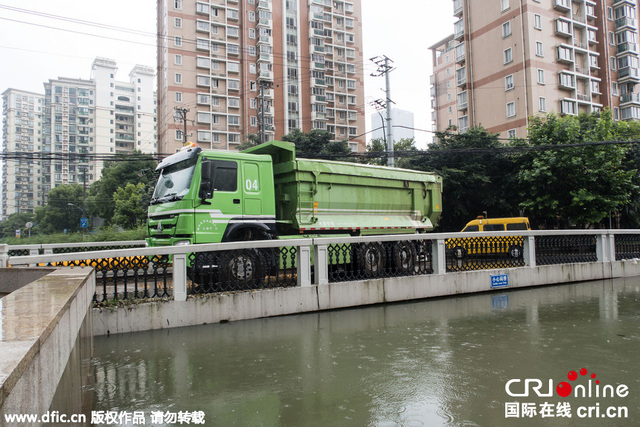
x=178, y=135
x=539, y=49
x=178, y=78
x=511, y=133
x=177, y=41
x=504, y=5
x=540, y=76
x=177, y=4
x=612, y=63
x=508, y=82
x=507, y=56
x=542, y=104
x=178, y=97
x=506, y=29
x=537, y=22
x=177, y=59
x=614, y=88
x=511, y=109
x=177, y=22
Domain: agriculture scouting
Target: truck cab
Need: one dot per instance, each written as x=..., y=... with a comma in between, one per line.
x=210, y=197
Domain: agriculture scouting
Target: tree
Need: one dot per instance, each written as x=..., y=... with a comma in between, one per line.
x=117, y=174
x=130, y=209
x=317, y=144
x=63, y=210
x=580, y=185
x=477, y=176
x=15, y=221
x=252, y=141
x=377, y=152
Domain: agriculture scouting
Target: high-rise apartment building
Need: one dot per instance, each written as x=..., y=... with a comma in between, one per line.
x=22, y=132
x=100, y=116
x=509, y=60
x=261, y=67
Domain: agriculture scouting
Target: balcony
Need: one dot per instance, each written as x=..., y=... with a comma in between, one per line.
x=562, y=5
x=626, y=23
x=630, y=98
x=461, y=76
x=458, y=30
x=458, y=8
x=626, y=47
x=460, y=53
x=628, y=74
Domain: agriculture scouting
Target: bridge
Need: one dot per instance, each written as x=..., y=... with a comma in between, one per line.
x=134, y=288
x=274, y=277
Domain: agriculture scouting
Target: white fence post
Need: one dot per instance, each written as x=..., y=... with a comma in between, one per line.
x=438, y=256
x=180, y=277
x=304, y=266
x=321, y=265
x=612, y=246
x=602, y=252
x=529, y=251
x=4, y=255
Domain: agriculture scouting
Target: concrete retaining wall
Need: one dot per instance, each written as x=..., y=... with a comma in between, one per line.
x=12, y=279
x=39, y=325
x=276, y=302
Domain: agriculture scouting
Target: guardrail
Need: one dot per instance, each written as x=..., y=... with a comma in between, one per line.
x=179, y=271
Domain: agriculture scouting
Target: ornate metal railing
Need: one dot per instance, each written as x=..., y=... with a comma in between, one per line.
x=484, y=252
x=627, y=246
x=565, y=249
x=373, y=260
x=242, y=269
x=175, y=272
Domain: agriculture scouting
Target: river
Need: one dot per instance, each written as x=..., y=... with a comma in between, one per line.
x=452, y=361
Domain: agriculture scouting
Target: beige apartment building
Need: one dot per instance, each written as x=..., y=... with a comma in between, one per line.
x=509, y=60
x=63, y=135
x=236, y=68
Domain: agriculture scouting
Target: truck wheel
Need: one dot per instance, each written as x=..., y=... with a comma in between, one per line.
x=204, y=272
x=370, y=258
x=242, y=270
x=515, y=251
x=459, y=252
x=404, y=257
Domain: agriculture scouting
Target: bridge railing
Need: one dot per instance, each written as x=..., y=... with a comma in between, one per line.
x=179, y=271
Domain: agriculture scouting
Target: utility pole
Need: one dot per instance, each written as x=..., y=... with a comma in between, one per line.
x=384, y=68
x=182, y=112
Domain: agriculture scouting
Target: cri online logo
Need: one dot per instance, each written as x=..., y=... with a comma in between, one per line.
x=565, y=389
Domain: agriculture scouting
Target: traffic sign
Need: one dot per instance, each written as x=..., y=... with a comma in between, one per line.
x=84, y=222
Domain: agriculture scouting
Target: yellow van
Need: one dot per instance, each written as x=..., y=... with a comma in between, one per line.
x=506, y=245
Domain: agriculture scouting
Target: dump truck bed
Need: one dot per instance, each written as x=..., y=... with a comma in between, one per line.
x=319, y=195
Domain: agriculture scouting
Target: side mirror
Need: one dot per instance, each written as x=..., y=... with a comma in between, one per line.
x=206, y=180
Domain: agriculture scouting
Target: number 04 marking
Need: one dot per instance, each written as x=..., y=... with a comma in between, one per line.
x=251, y=185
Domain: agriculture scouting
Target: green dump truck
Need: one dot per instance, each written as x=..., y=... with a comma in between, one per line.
x=209, y=196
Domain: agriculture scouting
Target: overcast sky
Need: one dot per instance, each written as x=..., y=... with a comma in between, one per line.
x=35, y=48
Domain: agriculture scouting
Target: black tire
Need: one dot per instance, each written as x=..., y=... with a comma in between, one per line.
x=515, y=251
x=459, y=252
x=404, y=257
x=370, y=258
x=242, y=270
x=204, y=272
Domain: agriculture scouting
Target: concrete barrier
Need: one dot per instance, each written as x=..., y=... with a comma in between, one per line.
x=233, y=306
x=39, y=325
x=12, y=279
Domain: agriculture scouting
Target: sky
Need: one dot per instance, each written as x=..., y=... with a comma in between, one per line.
x=35, y=48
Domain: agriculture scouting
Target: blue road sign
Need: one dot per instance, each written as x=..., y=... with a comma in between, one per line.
x=499, y=280
x=84, y=222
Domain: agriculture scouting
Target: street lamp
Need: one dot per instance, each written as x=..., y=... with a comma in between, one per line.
x=83, y=220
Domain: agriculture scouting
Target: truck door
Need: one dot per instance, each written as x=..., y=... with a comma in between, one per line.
x=226, y=203
x=252, y=204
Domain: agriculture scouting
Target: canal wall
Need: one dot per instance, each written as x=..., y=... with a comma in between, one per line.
x=41, y=326
x=232, y=306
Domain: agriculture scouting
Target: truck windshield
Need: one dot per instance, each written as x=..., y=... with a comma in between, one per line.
x=174, y=182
